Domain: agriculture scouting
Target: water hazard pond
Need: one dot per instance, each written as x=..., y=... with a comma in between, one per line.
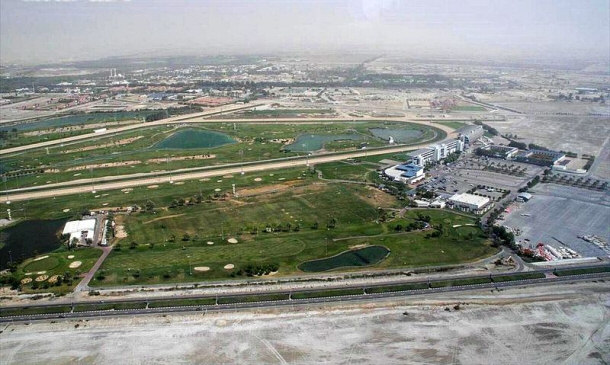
x=353, y=258
x=194, y=138
x=29, y=238
x=314, y=142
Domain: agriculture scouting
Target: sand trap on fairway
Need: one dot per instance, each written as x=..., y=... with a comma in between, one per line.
x=75, y=264
x=282, y=179
x=258, y=179
x=53, y=279
x=70, y=256
x=219, y=181
x=41, y=272
x=66, y=210
x=210, y=243
x=41, y=258
x=229, y=267
x=28, y=273
x=217, y=190
x=179, y=183
x=232, y=240
x=205, y=179
x=42, y=278
x=202, y=268
x=152, y=186
x=26, y=280
x=126, y=189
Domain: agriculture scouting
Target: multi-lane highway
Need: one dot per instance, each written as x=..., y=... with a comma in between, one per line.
x=289, y=302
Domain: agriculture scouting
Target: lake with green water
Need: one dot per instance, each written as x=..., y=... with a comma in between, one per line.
x=354, y=258
x=314, y=142
x=194, y=138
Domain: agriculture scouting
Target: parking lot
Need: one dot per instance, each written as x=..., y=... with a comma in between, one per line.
x=470, y=171
x=557, y=215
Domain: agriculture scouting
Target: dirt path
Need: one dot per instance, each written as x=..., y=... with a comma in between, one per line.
x=162, y=218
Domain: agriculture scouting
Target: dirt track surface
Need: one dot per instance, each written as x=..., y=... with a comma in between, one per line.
x=556, y=325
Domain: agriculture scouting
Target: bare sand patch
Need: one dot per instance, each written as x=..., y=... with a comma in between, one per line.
x=232, y=240
x=152, y=186
x=229, y=267
x=210, y=243
x=104, y=165
x=75, y=264
x=201, y=268
x=110, y=144
x=26, y=280
x=41, y=258
x=119, y=231
x=42, y=278
x=181, y=158
x=70, y=256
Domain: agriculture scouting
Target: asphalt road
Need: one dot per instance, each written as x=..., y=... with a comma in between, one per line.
x=290, y=302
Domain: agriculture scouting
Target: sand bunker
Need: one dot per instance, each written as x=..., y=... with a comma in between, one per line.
x=152, y=186
x=41, y=272
x=232, y=240
x=70, y=256
x=205, y=179
x=53, y=279
x=29, y=273
x=201, y=268
x=258, y=179
x=210, y=243
x=41, y=258
x=217, y=190
x=126, y=190
x=26, y=280
x=229, y=267
x=75, y=264
x=228, y=176
x=42, y=278
x=66, y=210
x=179, y=183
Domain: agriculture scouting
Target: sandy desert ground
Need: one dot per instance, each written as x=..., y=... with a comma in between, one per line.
x=553, y=325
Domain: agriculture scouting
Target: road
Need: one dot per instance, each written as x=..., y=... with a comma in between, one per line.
x=290, y=302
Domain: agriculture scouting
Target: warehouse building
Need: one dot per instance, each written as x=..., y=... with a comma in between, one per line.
x=81, y=232
x=470, y=133
x=470, y=203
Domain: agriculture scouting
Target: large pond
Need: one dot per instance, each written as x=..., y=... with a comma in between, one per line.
x=354, y=258
x=399, y=135
x=314, y=142
x=194, y=138
x=29, y=238
x=78, y=119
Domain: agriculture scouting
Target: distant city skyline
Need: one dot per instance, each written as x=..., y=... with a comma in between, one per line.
x=62, y=30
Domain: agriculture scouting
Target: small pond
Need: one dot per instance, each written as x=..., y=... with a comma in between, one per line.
x=353, y=258
x=314, y=142
x=29, y=238
x=194, y=138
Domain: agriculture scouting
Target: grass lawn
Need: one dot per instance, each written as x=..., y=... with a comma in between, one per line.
x=454, y=125
x=161, y=253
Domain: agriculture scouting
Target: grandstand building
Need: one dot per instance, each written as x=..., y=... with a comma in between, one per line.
x=435, y=153
x=470, y=133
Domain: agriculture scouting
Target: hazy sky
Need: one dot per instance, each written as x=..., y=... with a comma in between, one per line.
x=43, y=31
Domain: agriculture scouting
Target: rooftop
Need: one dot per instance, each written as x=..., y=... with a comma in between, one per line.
x=466, y=198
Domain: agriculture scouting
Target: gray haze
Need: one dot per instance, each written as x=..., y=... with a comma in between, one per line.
x=49, y=31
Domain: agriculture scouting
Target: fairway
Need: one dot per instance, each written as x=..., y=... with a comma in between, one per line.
x=286, y=226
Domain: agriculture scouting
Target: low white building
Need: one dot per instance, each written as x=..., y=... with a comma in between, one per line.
x=83, y=230
x=406, y=173
x=470, y=203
